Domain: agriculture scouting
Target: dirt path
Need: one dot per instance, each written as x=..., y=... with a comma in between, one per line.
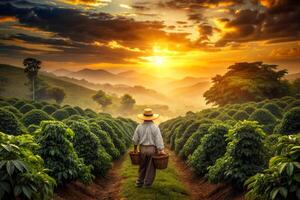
x=199, y=188
x=101, y=189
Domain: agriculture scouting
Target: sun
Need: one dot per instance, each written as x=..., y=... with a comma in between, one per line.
x=158, y=60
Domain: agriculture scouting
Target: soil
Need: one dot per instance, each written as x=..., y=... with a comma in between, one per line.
x=108, y=188
x=199, y=188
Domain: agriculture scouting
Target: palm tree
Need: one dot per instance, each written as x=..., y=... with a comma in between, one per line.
x=32, y=67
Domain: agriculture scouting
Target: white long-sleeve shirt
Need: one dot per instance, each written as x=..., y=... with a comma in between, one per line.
x=148, y=133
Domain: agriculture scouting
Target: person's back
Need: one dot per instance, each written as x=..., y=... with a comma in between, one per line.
x=149, y=139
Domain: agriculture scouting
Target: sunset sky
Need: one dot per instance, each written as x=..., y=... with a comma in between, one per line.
x=170, y=37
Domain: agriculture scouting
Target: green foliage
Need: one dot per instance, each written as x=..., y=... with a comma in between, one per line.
x=181, y=139
x=38, y=105
x=292, y=105
x=75, y=117
x=19, y=104
x=231, y=112
x=71, y=111
x=116, y=140
x=224, y=116
x=79, y=110
x=14, y=110
x=105, y=140
x=247, y=82
x=265, y=118
x=90, y=113
x=88, y=147
x=244, y=157
x=35, y=116
x=214, y=114
x=9, y=123
x=102, y=99
x=290, y=123
x=212, y=147
x=127, y=102
x=32, y=128
x=281, y=180
x=249, y=109
x=49, y=109
x=193, y=141
x=3, y=103
x=26, y=108
x=22, y=173
x=274, y=109
x=60, y=114
x=59, y=154
x=240, y=116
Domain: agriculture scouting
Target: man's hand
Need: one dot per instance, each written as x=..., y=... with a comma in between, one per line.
x=161, y=152
x=135, y=149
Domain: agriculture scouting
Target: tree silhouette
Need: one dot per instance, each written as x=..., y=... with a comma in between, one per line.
x=32, y=67
x=127, y=102
x=102, y=99
x=58, y=94
x=248, y=82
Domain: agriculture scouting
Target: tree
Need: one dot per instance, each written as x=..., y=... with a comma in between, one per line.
x=32, y=67
x=296, y=85
x=127, y=102
x=246, y=82
x=102, y=98
x=56, y=93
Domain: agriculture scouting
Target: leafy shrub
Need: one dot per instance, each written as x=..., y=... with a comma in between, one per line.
x=79, y=110
x=19, y=104
x=231, y=112
x=280, y=180
x=60, y=114
x=71, y=111
x=244, y=155
x=49, y=109
x=288, y=99
x=14, y=110
x=32, y=128
x=274, y=109
x=3, y=103
x=224, y=116
x=290, y=123
x=281, y=104
x=212, y=147
x=193, y=141
x=22, y=173
x=181, y=139
x=90, y=113
x=26, y=108
x=117, y=140
x=38, y=105
x=9, y=123
x=59, y=154
x=88, y=147
x=35, y=116
x=105, y=140
x=264, y=117
x=214, y=114
x=292, y=105
x=240, y=116
x=249, y=109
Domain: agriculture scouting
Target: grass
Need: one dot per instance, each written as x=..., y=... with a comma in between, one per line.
x=166, y=185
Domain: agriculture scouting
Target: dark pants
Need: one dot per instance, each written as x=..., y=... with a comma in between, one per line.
x=147, y=169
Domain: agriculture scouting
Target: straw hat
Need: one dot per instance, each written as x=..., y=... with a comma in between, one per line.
x=148, y=115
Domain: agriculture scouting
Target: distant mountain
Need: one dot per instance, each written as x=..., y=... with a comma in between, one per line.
x=292, y=76
x=194, y=91
x=62, y=72
x=188, y=81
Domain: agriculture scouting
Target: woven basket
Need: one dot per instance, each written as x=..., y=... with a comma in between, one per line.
x=135, y=157
x=161, y=161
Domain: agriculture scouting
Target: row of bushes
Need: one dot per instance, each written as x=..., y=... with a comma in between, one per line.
x=69, y=144
x=234, y=144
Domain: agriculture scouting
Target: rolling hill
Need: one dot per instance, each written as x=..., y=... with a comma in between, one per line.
x=16, y=80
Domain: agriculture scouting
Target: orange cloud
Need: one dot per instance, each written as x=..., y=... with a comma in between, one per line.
x=8, y=19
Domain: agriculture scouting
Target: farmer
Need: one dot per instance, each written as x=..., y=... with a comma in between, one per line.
x=147, y=135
